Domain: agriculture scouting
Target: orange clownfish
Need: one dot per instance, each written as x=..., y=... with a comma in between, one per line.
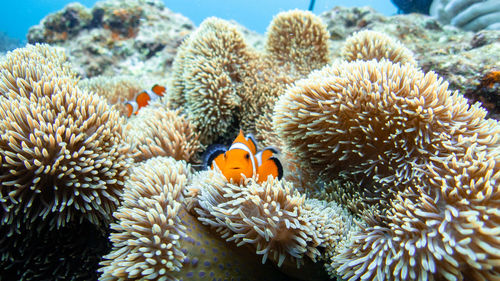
x=143, y=98
x=242, y=159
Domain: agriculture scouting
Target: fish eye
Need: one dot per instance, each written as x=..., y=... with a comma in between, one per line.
x=247, y=156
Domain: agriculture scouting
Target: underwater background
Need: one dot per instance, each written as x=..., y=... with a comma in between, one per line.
x=141, y=141
x=18, y=16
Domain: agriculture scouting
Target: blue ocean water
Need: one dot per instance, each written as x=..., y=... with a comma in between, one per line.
x=18, y=16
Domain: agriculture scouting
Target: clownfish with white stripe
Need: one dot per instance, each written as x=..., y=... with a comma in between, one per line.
x=242, y=160
x=142, y=99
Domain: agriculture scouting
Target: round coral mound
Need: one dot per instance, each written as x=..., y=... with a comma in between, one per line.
x=399, y=135
x=61, y=149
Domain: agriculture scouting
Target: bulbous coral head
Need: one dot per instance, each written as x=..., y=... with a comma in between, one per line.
x=156, y=239
x=271, y=219
x=160, y=131
x=401, y=131
x=213, y=62
x=299, y=39
x=367, y=45
x=61, y=151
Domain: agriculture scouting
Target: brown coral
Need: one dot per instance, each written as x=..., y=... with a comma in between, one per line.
x=159, y=131
x=404, y=136
x=368, y=45
x=156, y=239
x=61, y=150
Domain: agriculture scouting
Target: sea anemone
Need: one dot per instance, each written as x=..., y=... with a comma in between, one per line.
x=159, y=131
x=155, y=237
x=272, y=218
x=214, y=61
x=223, y=83
x=61, y=152
x=22, y=68
x=399, y=135
x=298, y=41
x=368, y=45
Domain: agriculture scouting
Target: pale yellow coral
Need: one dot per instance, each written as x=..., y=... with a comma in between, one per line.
x=61, y=150
x=272, y=217
x=299, y=40
x=159, y=131
x=214, y=61
x=401, y=136
x=21, y=68
x=156, y=239
x=225, y=84
x=368, y=45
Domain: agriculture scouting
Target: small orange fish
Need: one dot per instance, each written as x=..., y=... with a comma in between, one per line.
x=143, y=98
x=242, y=160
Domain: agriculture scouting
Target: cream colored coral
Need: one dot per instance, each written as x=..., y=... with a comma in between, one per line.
x=21, y=68
x=147, y=239
x=61, y=148
x=368, y=45
x=401, y=136
x=159, y=131
x=224, y=84
x=272, y=217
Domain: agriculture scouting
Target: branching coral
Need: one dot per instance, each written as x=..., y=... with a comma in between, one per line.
x=402, y=135
x=223, y=83
x=61, y=150
x=368, y=45
x=155, y=238
x=159, y=131
x=272, y=218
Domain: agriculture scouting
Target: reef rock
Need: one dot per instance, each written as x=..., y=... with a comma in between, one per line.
x=461, y=57
x=115, y=37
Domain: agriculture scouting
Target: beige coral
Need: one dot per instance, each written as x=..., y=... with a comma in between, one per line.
x=368, y=45
x=223, y=83
x=272, y=217
x=401, y=136
x=156, y=239
x=61, y=151
x=160, y=131
x=215, y=60
x=22, y=68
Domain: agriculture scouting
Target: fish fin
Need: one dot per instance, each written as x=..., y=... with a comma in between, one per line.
x=279, y=166
x=211, y=153
x=251, y=139
x=159, y=90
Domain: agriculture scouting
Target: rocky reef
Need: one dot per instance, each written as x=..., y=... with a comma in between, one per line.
x=391, y=158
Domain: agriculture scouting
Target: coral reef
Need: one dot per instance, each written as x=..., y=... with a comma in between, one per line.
x=271, y=218
x=460, y=57
x=61, y=150
x=115, y=37
x=368, y=45
x=71, y=252
x=405, y=140
x=156, y=239
x=222, y=82
x=159, y=131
